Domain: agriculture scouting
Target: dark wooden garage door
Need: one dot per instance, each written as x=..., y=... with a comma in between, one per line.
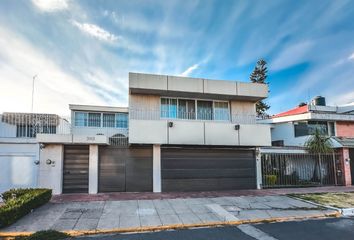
x=125, y=169
x=75, y=173
x=207, y=169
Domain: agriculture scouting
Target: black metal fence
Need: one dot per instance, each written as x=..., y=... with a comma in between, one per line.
x=291, y=170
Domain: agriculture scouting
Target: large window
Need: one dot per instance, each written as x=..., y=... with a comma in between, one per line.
x=31, y=131
x=308, y=128
x=194, y=109
x=107, y=120
x=221, y=111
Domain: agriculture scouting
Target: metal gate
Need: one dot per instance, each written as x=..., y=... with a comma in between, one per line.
x=76, y=166
x=125, y=169
x=207, y=169
x=289, y=170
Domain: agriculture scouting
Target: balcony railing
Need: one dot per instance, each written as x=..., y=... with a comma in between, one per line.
x=143, y=114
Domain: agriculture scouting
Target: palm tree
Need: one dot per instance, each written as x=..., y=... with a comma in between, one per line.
x=318, y=144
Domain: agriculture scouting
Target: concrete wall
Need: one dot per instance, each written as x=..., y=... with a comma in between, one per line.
x=91, y=131
x=345, y=129
x=51, y=175
x=146, y=102
x=243, y=107
x=198, y=133
x=17, y=165
x=285, y=132
x=7, y=130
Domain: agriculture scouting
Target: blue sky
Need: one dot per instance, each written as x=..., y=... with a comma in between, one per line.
x=82, y=51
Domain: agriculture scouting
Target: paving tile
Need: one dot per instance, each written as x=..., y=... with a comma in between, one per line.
x=199, y=209
x=86, y=224
x=146, y=212
x=72, y=213
x=150, y=221
x=145, y=204
x=252, y=214
x=170, y=219
x=259, y=205
x=181, y=209
x=279, y=205
x=91, y=214
x=188, y=218
x=108, y=222
x=64, y=224
x=208, y=217
x=165, y=211
x=161, y=203
x=129, y=221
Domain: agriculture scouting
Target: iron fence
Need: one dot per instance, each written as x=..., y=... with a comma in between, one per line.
x=119, y=141
x=291, y=170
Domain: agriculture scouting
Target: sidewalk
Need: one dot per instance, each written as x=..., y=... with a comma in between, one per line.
x=135, y=215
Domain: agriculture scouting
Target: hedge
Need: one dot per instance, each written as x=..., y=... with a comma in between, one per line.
x=19, y=202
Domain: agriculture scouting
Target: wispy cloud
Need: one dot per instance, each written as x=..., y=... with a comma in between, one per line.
x=51, y=5
x=189, y=70
x=351, y=57
x=96, y=31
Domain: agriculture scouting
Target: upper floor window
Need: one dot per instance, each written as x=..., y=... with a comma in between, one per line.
x=31, y=131
x=194, y=109
x=109, y=120
x=308, y=128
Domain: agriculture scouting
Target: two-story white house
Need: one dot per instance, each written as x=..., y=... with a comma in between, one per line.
x=178, y=134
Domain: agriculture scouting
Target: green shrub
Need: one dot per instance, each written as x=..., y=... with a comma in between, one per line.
x=270, y=179
x=48, y=235
x=19, y=202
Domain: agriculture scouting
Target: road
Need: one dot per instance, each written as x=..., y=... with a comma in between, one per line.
x=335, y=228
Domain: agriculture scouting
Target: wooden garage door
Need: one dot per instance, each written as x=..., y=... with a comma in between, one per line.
x=125, y=169
x=186, y=169
x=75, y=173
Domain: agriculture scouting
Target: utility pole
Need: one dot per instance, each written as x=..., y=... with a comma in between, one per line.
x=34, y=77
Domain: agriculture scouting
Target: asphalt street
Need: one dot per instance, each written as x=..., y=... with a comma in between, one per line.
x=335, y=228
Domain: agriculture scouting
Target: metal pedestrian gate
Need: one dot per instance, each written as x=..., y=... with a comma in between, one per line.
x=292, y=170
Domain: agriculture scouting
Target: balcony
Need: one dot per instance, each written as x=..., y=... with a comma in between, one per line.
x=32, y=127
x=200, y=128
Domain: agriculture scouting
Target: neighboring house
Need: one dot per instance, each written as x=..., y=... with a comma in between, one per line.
x=185, y=134
x=292, y=128
x=19, y=149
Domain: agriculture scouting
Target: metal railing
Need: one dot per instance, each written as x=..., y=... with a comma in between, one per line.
x=28, y=125
x=144, y=114
x=291, y=170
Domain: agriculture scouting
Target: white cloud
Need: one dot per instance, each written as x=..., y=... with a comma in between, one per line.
x=96, y=31
x=54, y=88
x=189, y=70
x=51, y=5
x=351, y=57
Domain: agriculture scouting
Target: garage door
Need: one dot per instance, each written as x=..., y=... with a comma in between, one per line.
x=75, y=173
x=125, y=169
x=186, y=169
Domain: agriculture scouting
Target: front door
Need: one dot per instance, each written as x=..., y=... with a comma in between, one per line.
x=76, y=166
x=351, y=157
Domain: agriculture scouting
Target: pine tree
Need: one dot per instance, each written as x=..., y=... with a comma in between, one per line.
x=259, y=75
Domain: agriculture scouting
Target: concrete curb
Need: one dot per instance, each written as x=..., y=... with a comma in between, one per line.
x=74, y=233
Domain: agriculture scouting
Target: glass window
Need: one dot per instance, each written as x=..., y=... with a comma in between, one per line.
x=308, y=128
x=205, y=110
x=121, y=120
x=108, y=120
x=80, y=119
x=31, y=131
x=186, y=109
x=331, y=129
x=221, y=111
x=168, y=108
x=94, y=119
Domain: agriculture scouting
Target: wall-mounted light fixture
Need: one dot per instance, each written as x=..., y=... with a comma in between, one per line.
x=36, y=162
x=48, y=161
x=42, y=146
x=170, y=124
x=237, y=127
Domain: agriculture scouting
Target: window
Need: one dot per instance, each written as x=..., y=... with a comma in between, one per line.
x=221, y=111
x=109, y=120
x=308, y=128
x=168, y=108
x=186, y=109
x=31, y=131
x=80, y=119
x=331, y=129
x=204, y=110
x=94, y=119
x=121, y=120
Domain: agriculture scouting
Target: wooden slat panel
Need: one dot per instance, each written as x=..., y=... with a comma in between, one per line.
x=76, y=167
x=191, y=169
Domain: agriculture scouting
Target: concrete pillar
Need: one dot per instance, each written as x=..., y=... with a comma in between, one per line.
x=345, y=163
x=156, y=155
x=258, y=168
x=93, y=169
